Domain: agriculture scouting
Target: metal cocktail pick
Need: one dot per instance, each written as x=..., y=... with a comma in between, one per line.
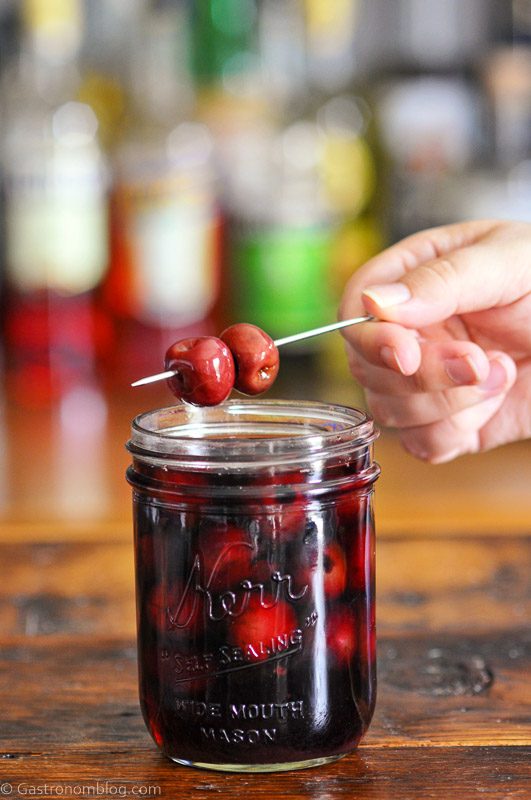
x=296, y=337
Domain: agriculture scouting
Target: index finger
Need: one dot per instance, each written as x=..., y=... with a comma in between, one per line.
x=391, y=264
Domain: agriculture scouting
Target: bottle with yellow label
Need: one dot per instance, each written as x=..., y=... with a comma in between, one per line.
x=56, y=213
x=350, y=177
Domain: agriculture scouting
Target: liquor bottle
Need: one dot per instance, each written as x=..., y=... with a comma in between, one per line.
x=9, y=45
x=165, y=224
x=56, y=215
x=108, y=29
x=350, y=174
x=282, y=230
x=222, y=40
x=330, y=43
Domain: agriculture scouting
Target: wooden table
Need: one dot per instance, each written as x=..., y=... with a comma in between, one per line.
x=452, y=717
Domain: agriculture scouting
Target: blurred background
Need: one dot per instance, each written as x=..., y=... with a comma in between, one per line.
x=169, y=167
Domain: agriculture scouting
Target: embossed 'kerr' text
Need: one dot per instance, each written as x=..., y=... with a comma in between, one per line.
x=225, y=604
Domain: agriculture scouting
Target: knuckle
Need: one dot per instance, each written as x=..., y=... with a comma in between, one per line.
x=413, y=443
x=357, y=368
x=446, y=403
x=419, y=382
x=446, y=271
x=439, y=441
x=380, y=409
x=458, y=425
x=428, y=442
x=438, y=280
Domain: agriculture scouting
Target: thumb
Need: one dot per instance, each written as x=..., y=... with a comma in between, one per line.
x=473, y=278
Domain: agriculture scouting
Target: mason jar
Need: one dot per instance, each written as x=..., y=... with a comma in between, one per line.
x=254, y=540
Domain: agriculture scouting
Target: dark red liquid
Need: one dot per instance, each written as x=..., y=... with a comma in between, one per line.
x=255, y=618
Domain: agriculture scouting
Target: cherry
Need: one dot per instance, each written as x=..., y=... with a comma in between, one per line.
x=341, y=634
x=152, y=713
x=227, y=553
x=286, y=522
x=334, y=566
x=257, y=629
x=176, y=477
x=144, y=552
x=255, y=356
x=285, y=504
x=171, y=486
x=204, y=369
x=175, y=611
x=292, y=519
x=356, y=524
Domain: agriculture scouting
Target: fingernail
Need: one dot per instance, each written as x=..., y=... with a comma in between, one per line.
x=389, y=294
x=390, y=358
x=461, y=370
x=496, y=379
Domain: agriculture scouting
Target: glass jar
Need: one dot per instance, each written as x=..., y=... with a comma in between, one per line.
x=254, y=542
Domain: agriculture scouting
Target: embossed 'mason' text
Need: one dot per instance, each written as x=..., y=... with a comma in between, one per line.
x=239, y=736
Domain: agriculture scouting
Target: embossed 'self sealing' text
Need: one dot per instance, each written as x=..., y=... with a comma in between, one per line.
x=230, y=658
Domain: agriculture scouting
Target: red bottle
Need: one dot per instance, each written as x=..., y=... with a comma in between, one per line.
x=165, y=246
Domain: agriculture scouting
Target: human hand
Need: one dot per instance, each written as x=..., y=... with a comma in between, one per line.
x=449, y=361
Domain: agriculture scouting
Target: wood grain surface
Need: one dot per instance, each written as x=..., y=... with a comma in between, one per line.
x=451, y=693
x=420, y=773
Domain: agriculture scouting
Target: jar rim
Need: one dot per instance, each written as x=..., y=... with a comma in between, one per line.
x=249, y=432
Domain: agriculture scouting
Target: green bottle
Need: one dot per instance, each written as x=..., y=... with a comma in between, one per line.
x=222, y=39
x=281, y=244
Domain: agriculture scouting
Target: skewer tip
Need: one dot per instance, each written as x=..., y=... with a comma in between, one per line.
x=160, y=376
